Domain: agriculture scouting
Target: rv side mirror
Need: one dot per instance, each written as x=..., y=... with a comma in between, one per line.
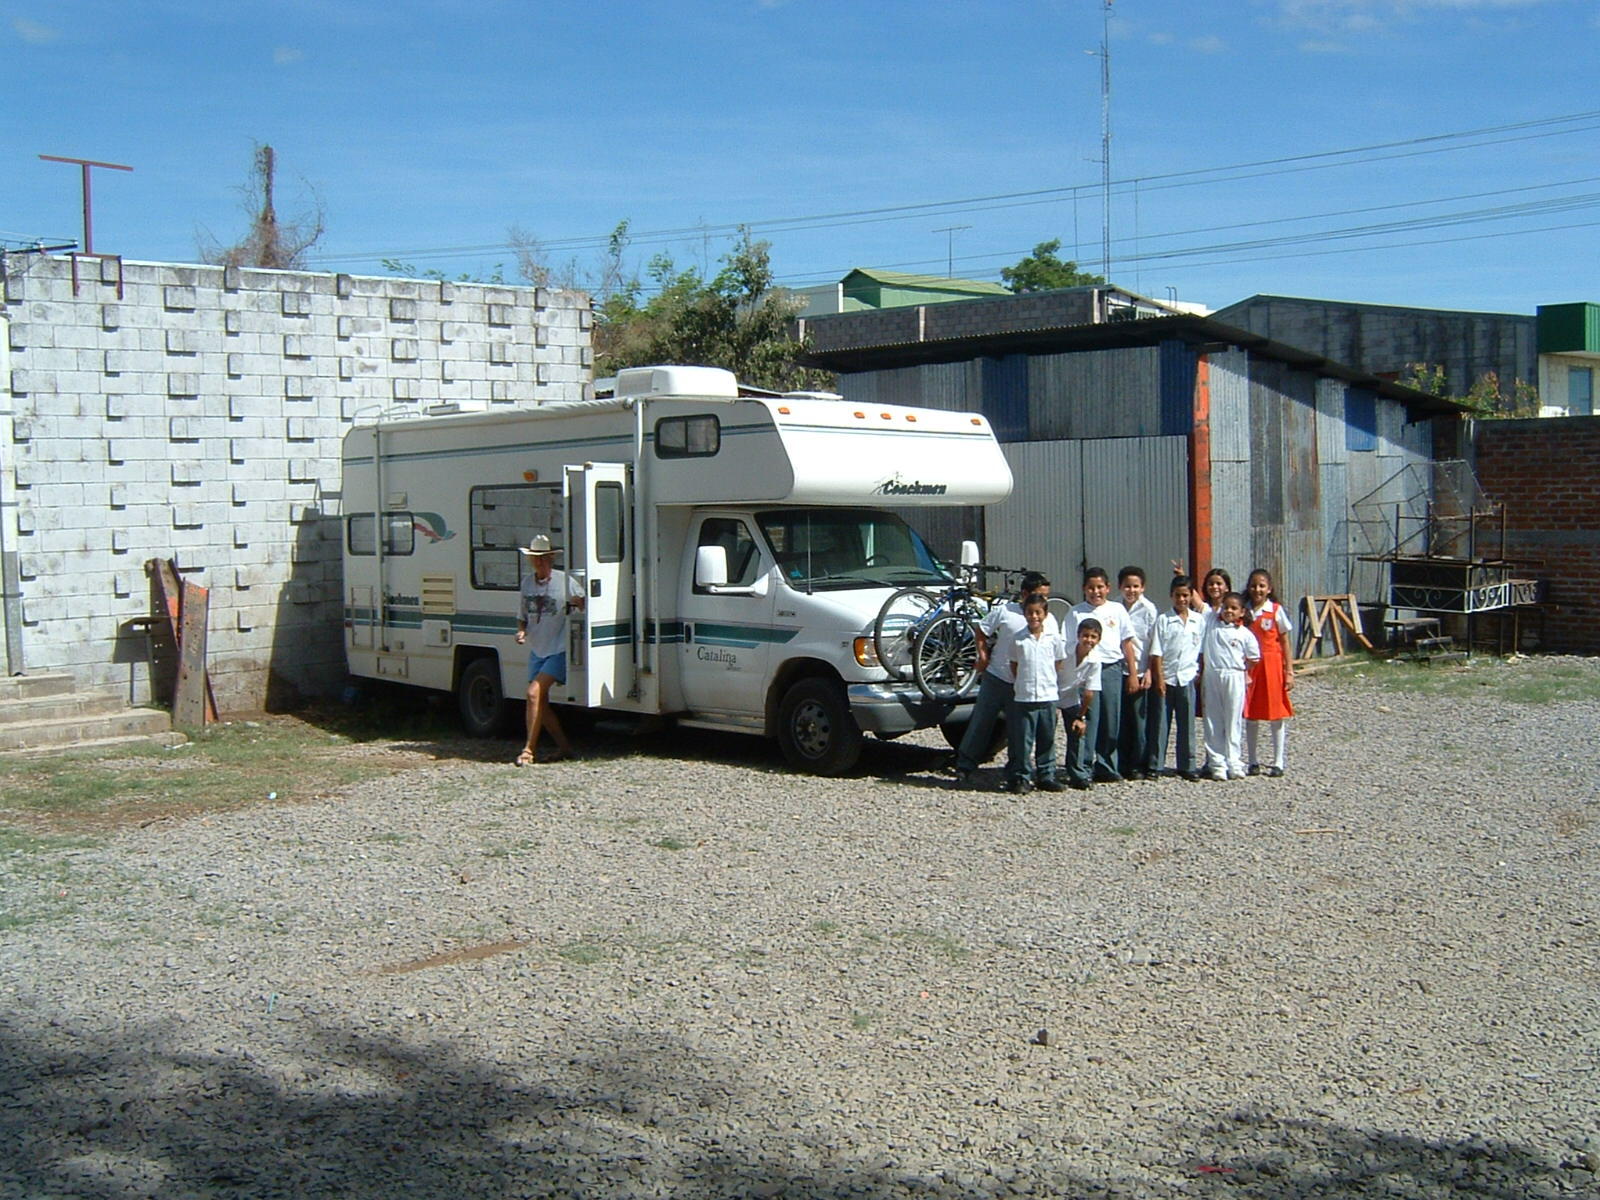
x=710, y=567
x=969, y=554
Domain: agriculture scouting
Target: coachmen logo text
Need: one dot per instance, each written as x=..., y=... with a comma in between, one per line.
x=895, y=486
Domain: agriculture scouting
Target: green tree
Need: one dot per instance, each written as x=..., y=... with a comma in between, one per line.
x=739, y=319
x=1487, y=397
x=1044, y=270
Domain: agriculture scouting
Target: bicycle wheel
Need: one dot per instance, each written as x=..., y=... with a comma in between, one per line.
x=944, y=660
x=895, y=630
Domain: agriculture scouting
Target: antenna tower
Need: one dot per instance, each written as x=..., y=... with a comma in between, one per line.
x=1105, y=141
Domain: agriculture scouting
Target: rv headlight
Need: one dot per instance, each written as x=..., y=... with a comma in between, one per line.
x=866, y=652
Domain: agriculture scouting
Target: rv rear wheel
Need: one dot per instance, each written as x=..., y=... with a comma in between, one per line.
x=816, y=730
x=483, y=708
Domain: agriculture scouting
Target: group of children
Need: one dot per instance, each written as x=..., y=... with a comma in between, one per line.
x=1127, y=676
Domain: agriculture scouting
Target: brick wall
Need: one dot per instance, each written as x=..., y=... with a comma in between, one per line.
x=1547, y=473
x=152, y=410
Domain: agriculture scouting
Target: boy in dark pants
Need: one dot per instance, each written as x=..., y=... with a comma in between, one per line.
x=1035, y=657
x=1080, y=689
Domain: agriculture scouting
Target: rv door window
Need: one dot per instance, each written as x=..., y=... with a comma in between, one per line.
x=399, y=538
x=688, y=437
x=608, y=522
x=500, y=519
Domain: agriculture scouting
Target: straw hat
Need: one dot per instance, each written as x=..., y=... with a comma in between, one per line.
x=537, y=547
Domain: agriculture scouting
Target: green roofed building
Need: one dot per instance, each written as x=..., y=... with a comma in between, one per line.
x=865, y=288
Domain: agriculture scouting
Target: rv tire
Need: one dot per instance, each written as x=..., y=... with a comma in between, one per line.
x=816, y=730
x=483, y=708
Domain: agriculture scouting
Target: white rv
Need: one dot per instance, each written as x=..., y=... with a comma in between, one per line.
x=733, y=549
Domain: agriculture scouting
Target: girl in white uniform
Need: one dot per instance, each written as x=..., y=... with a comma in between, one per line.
x=1229, y=649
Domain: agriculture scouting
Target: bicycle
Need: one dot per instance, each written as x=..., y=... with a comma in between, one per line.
x=932, y=637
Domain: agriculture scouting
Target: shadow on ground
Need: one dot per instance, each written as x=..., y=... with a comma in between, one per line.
x=342, y=1114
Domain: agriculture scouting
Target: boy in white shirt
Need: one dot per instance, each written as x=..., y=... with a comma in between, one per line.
x=1141, y=712
x=1080, y=690
x=1174, y=663
x=994, y=679
x=1115, y=654
x=1035, y=657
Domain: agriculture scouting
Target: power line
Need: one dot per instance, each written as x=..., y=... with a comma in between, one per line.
x=1318, y=160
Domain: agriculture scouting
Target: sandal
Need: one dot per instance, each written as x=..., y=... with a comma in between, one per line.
x=525, y=759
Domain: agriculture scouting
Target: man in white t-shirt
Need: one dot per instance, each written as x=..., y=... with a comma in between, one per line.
x=994, y=679
x=547, y=596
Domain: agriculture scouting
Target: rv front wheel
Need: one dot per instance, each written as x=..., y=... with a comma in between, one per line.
x=483, y=709
x=816, y=730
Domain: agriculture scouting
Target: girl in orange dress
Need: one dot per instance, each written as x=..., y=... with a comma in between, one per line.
x=1266, y=699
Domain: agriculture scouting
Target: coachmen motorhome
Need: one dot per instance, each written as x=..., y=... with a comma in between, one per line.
x=733, y=549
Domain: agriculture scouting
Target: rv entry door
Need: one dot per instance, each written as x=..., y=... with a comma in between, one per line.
x=600, y=663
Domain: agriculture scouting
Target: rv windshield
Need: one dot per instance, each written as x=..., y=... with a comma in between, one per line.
x=825, y=549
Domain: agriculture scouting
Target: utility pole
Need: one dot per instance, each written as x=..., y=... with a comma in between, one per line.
x=88, y=219
x=950, y=248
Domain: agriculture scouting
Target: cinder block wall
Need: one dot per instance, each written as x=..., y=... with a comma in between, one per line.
x=1547, y=473
x=154, y=410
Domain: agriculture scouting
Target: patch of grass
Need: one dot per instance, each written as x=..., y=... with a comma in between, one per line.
x=392, y=836
x=229, y=765
x=1486, y=679
x=521, y=846
x=940, y=944
x=862, y=1020
x=670, y=843
x=583, y=954
x=827, y=928
x=1124, y=830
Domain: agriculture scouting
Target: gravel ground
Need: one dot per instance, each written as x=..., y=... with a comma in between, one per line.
x=675, y=969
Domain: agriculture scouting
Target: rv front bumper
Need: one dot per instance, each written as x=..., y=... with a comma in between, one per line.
x=886, y=710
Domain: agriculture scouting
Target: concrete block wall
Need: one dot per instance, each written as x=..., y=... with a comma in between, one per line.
x=155, y=410
x=1547, y=474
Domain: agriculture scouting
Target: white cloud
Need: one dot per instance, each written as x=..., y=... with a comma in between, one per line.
x=282, y=56
x=32, y=32
x=1210, y=44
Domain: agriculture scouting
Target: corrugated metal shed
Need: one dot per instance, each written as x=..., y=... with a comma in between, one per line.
x=1040, y=525
x=1005, y=395
x=1095, y=394
x=1330, y=421
x=1266, y=442
x=948, y=386
x=1230, y=407
x=1136, y=503
x=1391, y=416
x=1302, y=488
x=1231, y=526
x=1303, y=570
x=1335, y=528
x=1178, y=361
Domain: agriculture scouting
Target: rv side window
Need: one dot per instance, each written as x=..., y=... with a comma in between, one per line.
x=688, y=437
x=608, y=522
x=502, y=518
x=744, y=555
x=400, y=534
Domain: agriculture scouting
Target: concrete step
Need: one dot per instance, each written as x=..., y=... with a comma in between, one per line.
x=68, y=732
x=59, y=706
x=170, y=737
x=26, y=687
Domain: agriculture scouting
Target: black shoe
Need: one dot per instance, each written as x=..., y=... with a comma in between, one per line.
x=1106, y=777
x=1049, y=785
x=1192, y=776
x=962, y=778
x=1275, y=772
x=1019, y=787
x=1079, y=785
x=1255, y=769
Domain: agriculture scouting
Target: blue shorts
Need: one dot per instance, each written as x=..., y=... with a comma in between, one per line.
x=553, y=665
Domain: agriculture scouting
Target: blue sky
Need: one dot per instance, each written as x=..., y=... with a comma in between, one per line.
x=432, y=129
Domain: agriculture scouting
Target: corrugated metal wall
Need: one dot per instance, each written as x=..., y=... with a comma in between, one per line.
x=1109, y=502
x=1095, y=394
x=1230, y=407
